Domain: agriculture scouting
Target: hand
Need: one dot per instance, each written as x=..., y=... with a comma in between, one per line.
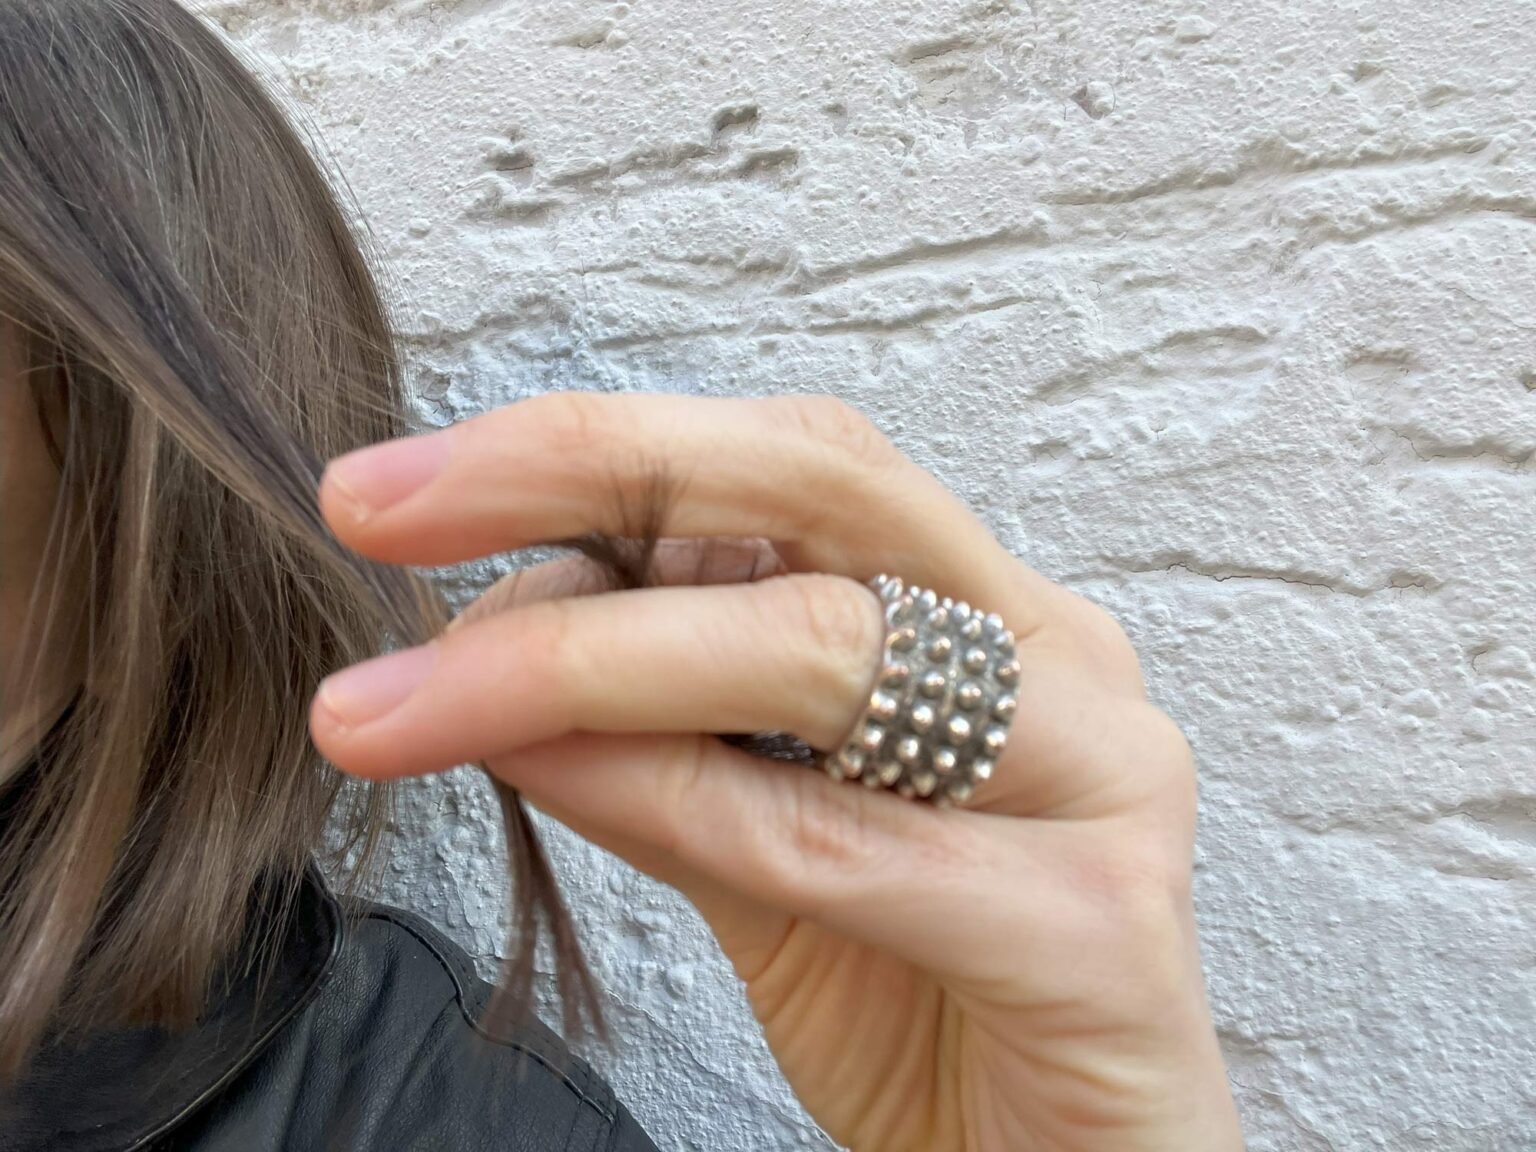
x=1020, y=974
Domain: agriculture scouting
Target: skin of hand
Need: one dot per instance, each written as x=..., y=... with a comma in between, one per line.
x=1016, y=975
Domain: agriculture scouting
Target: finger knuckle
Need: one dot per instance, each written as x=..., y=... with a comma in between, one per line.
x=1142, y=865
x=1135, y=882
x=830, y=845
x=831, y=419
x=835, y=612
x=684, y=764
x=569, y=422
x=836, y=624
x=1165, y=736
x=822, y=834
x=1106, y=641
x=1169, y=757
x=550, y=644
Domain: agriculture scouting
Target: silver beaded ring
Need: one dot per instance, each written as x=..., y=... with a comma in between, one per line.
x=943, y=703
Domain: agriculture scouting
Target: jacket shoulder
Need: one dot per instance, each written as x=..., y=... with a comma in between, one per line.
x=392, y=1054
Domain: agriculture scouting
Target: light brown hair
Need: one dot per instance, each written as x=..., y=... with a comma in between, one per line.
x=204, y=333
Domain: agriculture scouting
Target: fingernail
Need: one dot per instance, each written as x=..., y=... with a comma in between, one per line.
x=376, y=478
x=367, y=691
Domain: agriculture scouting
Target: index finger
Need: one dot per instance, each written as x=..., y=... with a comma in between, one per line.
x=809, y=473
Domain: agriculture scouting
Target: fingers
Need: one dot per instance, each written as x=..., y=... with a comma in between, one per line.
x=809, y=473
x=797, y=653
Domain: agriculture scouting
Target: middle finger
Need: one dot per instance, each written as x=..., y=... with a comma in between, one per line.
x=666, y=659
x=797, y=653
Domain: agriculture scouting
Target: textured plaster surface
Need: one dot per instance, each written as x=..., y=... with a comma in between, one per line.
x=1224, y=315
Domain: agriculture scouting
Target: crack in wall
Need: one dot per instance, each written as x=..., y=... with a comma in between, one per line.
x=1400, y=581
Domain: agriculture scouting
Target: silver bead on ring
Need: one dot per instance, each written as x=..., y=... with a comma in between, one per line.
x=944, y=699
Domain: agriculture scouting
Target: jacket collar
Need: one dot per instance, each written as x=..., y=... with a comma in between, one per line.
x=122, y=1089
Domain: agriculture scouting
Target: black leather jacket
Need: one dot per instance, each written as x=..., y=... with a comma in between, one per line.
x=365, y=1037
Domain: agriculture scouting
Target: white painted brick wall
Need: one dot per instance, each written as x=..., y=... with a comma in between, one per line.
x=1222, y=314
